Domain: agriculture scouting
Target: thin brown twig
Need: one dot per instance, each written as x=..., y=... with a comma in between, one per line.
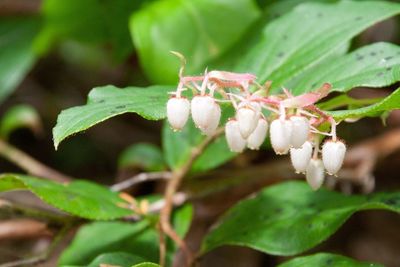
x=140, y=178
x=29, y=164
x=22, y=228
x=362, y=158
x=172, y=187
x=163, y=245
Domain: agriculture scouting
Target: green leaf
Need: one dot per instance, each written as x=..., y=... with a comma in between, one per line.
x=389, y=103
x=288, y=48
x=177, y=146
x=98, y=22
x=140, y=238
x=80, y=198
x=290, y=218
x=198, y=29
x=345, y=100
x=277, y=9
x=375, y=65
x=145, y=156
x=146, y=264
x=109, y=101
x=20, y=116
x=325, y=260
x=120, y=259
x=16, y=51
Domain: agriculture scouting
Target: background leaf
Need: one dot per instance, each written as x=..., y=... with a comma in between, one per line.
x=375, y=65
x=146, y=264
x=140, y=238
x=143, y=155
x=116, y=259
x=20, y=116
x=16, y=51
x=98, y=22
x=325, y=260
x=289, y=218
x=276, y=9
x=188, y=27
x=389, y=103
x=80, y=198
x=304, y=37
x=121, y=237
x=109, y=101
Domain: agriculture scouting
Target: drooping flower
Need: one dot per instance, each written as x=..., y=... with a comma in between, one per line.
x=204, y=111
x=280, y=134
x=315, y=174
x=257, y=137
x=234, y=139
x=214, y=122
x=300, y=131
x=247, y=116
x=300, y=157
x=178, y=109
x=333, y=153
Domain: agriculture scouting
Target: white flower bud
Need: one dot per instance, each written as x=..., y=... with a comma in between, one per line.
x=214, y=122
x=203, y=111
x=178, y=109
x=315, y=174
x=257, y=137
x=301, y=130
x=247, y=116
x=280, y=133
x=333, y=156
x=234, y=139
x=301, y=157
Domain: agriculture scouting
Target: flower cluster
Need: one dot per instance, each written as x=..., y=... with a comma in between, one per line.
x=293, y=121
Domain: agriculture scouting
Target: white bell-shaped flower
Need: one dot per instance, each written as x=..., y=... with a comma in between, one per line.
x=178, y=109
x=280, y=134
x=257, y=137
x=300, y=157
x=301, y=130
x=315, y=174
x=234, y=139
x=214, y=122
x=203, y=111
x=247, y=116
x=333, y=153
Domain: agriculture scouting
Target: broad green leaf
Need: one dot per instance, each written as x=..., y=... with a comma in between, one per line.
x=199, y=29
x=121, y=259
x=140, y=238
x=345, y=100
x=94, y=22
x=389, y=103
x=177, y=146
x=16, y=51
x=143, y=155
x=109, y=101
x=326, y=260
x=146, y=264
x=304, y=37
x=375, y=65
x=20, y=116
x=80, y=198
x=289, y=218
x=278, y=8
